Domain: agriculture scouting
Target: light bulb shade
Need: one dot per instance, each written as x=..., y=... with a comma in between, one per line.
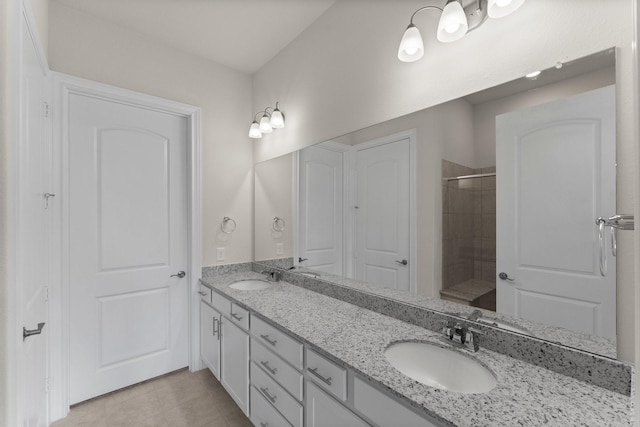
x=254, y=130
x=411, y=47
x=453, y=23
x=265, y=124
x=500, y=8
x=277, y=119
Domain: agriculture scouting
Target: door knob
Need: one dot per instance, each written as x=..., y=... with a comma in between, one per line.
x=505, y=276
x=180, y=274
x=403, y=262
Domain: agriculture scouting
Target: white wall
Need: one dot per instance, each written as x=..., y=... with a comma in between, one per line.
x=92, y=48
x=273, y=197
x=342, y=74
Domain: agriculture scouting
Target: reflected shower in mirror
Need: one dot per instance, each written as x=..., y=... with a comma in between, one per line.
x=442, y=204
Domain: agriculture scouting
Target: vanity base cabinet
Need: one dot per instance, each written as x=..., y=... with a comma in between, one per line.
x=321, y=410
x=209, y=338
x=234, y=372
x=382, y=409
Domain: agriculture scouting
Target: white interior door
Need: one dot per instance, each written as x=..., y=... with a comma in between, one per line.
x=128, y=235
x=321, y=209
x=383, y=214
x=34, y=237
x=555, y=176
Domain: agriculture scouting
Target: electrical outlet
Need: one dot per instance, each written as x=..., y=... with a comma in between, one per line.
x=220, y=254
x=279, y=249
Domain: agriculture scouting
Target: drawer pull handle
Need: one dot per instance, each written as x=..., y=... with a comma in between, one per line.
x=314, y=371
x=265, y=391
x=266, y=338
x=269, y=368
x=202, y=293
x=264, y=424
x=236, y=316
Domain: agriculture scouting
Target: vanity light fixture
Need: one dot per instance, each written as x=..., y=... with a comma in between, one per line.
x=268, y=122
x=455, y=21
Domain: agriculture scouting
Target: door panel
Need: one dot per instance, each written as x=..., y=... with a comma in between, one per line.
x=321, y=215
x=128, y=235
x=33, y=236
x=555, y=176
x=382, y=214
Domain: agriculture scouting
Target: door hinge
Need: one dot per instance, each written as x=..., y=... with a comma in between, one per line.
x=45, y=109
x=46, y=293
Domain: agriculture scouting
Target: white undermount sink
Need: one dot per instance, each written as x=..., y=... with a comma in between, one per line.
x=250, y=285
x=439, y=367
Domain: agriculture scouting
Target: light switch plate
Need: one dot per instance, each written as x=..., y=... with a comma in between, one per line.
x=220, y=254
x=279, y=249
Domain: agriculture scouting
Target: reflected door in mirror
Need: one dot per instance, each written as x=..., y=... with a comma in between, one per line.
x=556, y=174
x=382, y=215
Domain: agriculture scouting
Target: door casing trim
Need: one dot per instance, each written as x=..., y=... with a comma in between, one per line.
x=64, y=86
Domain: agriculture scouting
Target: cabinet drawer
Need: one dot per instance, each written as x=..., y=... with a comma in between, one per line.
x=290, y=408
x=239, y=316
x=327, y=374
x=220, y=303
x=263, y=414
x=383, y=409
x=277, y=368
x=205, y=293
x=279, y=342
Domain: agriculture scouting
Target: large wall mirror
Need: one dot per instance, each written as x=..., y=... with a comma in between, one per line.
x=488, y=202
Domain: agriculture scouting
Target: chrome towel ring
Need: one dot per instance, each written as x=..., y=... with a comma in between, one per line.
x=228, y=225
x=278, y=224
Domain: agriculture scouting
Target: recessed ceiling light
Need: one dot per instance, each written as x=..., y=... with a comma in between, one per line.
x=533, y=75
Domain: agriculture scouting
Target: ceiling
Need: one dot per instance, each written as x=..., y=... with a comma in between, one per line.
x=241, y=34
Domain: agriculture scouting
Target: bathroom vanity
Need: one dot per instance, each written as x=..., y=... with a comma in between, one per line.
x=297, y=357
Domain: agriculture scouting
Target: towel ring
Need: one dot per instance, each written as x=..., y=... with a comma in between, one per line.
x=278, y=224
x=228, y=225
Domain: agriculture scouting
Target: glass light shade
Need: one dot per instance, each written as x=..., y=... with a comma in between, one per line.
x=277, y=119
x=265, y=124
x=453, y=23
x=411, y=47
x=500, y=8
x=254, y=130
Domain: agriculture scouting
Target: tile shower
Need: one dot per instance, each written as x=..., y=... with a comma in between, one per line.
x=468, y=236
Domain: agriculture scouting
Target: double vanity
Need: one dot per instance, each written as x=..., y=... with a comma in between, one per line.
x=290, y=356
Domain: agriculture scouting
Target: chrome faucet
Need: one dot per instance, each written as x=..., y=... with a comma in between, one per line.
x=459, y=335
x=475, y=315
x=272, y=276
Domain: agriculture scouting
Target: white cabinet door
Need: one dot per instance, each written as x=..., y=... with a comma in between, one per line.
x=234, y=374
x=323, y=411
x=210, y=338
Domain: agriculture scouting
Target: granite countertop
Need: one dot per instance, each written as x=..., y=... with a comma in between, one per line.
x=525, y=395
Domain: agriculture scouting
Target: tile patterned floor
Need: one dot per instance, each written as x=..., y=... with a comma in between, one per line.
x=179, y=399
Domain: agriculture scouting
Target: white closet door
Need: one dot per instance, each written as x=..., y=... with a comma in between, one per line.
x=128, y=235
x=33, y=237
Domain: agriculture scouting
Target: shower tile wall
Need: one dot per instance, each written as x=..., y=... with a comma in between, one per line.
x=469, y=226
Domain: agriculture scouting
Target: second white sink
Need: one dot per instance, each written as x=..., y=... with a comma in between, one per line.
x=439, y=367
x=250, y=285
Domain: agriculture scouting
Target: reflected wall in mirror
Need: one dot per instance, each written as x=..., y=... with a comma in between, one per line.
x=274, y=222
x=387, y=204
